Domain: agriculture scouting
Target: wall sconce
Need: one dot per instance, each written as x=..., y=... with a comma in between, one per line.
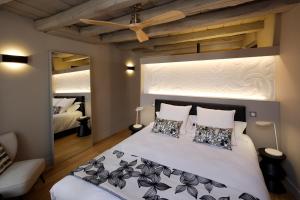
x=14, y=59
x=130, y=67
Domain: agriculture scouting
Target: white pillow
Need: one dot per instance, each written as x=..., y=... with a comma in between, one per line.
x=73, y=108
x=215, y=118
x=191, y=124
x=178, y=113
x=65, y=103
x=55, y=101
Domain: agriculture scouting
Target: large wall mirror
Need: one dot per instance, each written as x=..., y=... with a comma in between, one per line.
x=71, y=104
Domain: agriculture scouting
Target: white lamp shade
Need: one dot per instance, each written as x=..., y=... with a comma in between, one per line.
x=264, y=123
x=139, y=109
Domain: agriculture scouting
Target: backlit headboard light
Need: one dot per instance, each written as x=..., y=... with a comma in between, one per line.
x=71, y=82
x=251, y=78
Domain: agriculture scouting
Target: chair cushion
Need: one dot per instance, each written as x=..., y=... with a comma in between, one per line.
x=10, y=143
x=5, y=160
x=20, y=177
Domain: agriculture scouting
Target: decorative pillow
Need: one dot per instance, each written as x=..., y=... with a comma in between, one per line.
x=220, y=137
x=56, y=109
x=176, y=113
x=5, y=160
x=167, y=127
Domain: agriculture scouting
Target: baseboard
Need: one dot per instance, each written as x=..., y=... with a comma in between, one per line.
x=292, y=188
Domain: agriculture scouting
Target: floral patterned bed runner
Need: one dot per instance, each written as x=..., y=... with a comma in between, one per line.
x=132, y=177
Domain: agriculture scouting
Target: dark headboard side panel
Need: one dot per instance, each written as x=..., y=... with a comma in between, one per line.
x=240, y=111
x=77, y=99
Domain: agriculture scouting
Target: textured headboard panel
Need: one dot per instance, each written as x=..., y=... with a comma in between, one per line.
x=77, y=99
x=240, y=111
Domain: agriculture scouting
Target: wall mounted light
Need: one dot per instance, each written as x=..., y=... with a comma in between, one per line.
x=14, y=59
x=130, y=67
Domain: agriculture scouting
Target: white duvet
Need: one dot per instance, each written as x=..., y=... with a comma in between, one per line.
x=65, y=121
x=238, y=168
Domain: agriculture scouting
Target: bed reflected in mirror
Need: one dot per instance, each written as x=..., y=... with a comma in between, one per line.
x=71, y=104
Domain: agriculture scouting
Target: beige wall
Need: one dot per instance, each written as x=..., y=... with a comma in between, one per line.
x=114, y=103
x=288, y=93
x=24, y=94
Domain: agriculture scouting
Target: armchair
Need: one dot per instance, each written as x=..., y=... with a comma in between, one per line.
x=19, y=178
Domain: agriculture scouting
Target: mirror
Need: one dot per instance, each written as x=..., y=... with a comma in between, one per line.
x=71, y=104
x=64, y=62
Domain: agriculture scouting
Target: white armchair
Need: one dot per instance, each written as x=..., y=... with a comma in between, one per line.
x=19, y=178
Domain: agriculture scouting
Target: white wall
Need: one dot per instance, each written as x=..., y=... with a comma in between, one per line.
x=24, y=94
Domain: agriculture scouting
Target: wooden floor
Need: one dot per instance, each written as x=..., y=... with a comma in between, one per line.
x=69, y=146
x=41, y=190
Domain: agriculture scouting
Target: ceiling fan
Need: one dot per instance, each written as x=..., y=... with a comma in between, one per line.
x=135, y=23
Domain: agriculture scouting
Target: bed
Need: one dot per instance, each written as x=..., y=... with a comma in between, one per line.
x=66, y=123
x=235, y=171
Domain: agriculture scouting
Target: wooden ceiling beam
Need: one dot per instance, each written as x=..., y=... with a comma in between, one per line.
x=196, y=36
x=75, y=58
x=188, y=50
x=200, y=21
x=89, y=9
x=188, y=7
x=216, y=41
x=4, y=1
x=74, y=35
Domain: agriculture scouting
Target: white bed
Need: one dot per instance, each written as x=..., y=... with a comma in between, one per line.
x=65, y=121
x=238, y=168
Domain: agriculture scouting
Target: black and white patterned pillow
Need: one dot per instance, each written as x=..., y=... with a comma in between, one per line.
x=167, y=127
x=219, y=137
x=56, y=109
x=5, y=160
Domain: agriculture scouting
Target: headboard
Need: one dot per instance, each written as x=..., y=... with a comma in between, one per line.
x=77, y=99
x=240, y=111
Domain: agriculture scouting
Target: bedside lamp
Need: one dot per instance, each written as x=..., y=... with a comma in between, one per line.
x=137, y=124
x=271, y=151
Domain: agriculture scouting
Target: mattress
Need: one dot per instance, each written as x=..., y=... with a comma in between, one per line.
x=65, y=121
x=238, y=168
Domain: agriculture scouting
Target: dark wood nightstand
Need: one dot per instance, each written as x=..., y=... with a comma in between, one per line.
x=134, y=130
x=272, y=170
x=84, y=130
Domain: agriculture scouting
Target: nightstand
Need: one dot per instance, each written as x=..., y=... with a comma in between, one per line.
x=134, y=130
x=84, y=130
x=272, y=170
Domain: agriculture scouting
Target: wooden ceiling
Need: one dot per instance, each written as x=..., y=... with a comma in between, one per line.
x=209, y=25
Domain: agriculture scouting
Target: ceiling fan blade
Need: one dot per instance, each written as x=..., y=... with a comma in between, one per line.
x=141, y=35
x=103, y=23
x=163, y=18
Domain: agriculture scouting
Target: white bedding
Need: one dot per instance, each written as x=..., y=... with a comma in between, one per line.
x=65, y=121
x=237, y=168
